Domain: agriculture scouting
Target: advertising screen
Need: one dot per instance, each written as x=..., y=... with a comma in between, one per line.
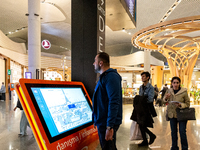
x=131, y=7
x=63, y=109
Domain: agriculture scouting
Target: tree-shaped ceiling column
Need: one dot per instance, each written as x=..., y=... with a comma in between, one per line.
x=178, y=40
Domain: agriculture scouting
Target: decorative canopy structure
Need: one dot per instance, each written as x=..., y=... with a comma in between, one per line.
x=178, y=40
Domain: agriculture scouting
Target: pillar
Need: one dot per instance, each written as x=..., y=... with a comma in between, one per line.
x=22, y=71
x=88, y=38
x=7, y=77
x=147, y=63
x=34, y=37
x=157, y=76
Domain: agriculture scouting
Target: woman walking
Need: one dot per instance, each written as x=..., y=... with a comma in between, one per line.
x=177, y=97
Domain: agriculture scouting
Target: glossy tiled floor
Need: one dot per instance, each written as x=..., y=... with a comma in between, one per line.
x=9, y=129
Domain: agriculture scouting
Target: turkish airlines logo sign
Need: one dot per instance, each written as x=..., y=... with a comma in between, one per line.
x=46, y=44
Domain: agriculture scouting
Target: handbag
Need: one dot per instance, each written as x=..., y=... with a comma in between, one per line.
x=185, y=114
x=109, y=145
x=135, y=133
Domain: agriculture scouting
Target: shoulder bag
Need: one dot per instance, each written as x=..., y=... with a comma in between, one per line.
x=185, y=114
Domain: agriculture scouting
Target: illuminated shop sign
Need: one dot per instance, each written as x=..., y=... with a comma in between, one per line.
x=101, y=26
x=46, y=44
x=28, y=75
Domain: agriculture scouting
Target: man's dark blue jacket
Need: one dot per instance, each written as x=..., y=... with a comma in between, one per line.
x=107, y=99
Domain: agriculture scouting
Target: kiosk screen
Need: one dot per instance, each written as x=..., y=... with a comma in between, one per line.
x=63, y=109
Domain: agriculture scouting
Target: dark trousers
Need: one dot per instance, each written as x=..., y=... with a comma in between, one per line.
x=108, y=144
x=145, y=130
x=10, y=95
x=155, y=97
x=3, y=96
x=182, y=132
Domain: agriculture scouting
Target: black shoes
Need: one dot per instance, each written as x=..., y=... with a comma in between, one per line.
x=152, y=139
x=144, y=143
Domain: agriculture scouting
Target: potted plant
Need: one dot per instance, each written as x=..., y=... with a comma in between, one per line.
x=196, y=94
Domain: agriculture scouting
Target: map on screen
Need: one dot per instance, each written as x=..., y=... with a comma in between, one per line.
x=63, y=108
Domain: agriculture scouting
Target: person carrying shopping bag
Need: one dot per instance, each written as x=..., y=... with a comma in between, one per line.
x=177, y=97
x=144, y=110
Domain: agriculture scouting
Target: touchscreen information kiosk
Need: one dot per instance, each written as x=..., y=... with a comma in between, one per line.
x=59, y=113
x=12, y=87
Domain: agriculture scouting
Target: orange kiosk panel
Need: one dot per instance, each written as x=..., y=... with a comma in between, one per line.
x=59, y=113
x=12, y=87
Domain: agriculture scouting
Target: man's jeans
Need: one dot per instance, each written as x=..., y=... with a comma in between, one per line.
x=102, y=134
x=182, y=132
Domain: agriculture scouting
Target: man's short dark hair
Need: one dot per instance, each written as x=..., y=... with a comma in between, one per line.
x=147, y=74
x=102, y=56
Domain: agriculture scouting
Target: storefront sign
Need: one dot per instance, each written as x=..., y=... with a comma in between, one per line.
x=46, y=44
x=28, y=75
x=9, y=72
x=100, y=25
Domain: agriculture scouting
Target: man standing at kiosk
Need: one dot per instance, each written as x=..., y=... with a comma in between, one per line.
x=107, y=102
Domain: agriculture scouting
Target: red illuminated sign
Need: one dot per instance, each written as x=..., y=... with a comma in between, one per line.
x=46, y=44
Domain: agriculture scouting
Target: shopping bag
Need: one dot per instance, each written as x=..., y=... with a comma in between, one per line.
x=135, y=133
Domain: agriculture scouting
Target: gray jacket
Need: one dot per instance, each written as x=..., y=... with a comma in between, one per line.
x=3, y=89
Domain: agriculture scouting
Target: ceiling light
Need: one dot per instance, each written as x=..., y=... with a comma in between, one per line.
x=169, y=12
x=196, y=20
x=164, y=17
x=173, y=6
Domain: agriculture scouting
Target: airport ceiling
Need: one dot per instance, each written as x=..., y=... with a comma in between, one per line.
x=56, y=22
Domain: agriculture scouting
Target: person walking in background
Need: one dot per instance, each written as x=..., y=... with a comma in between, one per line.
x=23, y=121
x=155, y=92
x=163, y=91
x=147, y=90
x=3, y=92
x=9, y=91
x=177, y=97
x=107, y=102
